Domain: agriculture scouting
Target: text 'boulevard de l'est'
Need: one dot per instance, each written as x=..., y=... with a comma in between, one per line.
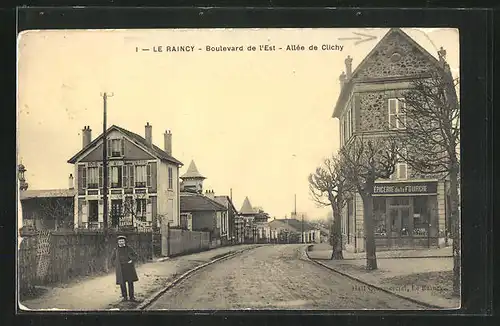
x=241, y=48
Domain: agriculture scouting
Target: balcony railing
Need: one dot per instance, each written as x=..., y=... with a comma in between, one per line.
x=140, y=226
x=91, y=225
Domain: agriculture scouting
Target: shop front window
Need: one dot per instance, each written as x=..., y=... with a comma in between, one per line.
x=420, y=216
x=379, y=212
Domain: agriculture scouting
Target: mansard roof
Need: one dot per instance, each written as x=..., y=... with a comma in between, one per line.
x=153, y=150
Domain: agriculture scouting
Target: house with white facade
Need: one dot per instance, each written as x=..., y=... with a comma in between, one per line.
x=143, y=180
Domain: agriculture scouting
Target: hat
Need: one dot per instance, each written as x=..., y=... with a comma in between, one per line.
x=121, y=237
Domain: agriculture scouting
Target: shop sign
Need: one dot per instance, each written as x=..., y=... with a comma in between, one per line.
x=401, y=188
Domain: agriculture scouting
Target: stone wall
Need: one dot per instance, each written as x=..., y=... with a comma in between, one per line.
x=52, y=257
x=395, y=57
x=184, y=241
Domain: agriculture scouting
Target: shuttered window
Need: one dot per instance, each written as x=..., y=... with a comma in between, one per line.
x=153, y=173
x=170, y=178
x=115, y=176
x=100, y=177
x=148, y=176
x=140, y=175
x=116, y=147
x=125, y=176
x=93, y=177
x=131, y=176
x=397, y=116
x=82, y=179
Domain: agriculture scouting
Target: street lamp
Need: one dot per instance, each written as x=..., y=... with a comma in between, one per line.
x=23, y=185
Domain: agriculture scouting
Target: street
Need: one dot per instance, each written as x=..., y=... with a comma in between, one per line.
x=273, y=277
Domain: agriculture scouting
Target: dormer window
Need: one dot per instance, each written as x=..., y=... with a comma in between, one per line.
x=116, y=147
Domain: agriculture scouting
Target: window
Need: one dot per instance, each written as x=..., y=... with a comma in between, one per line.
x=116, y=211
x=115, y=176
x=342, y=133
x=92, y=177
x=401, y=166
x=379, y=212
x=170, y=178
x=402, y=171
x=141, y=207
x=115, y=147
x=397, y=116
x=349, y=121
x=140, y=175
x=420, y=216
x=93, y=211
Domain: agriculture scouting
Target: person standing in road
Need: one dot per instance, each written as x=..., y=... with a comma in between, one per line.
x=124, y=258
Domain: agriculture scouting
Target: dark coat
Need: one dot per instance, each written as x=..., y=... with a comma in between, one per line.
x=125, y=271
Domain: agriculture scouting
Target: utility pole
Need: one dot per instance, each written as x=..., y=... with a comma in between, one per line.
x=303, y=235
x=105, y=163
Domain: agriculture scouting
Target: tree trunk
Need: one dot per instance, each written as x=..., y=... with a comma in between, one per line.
x=371, y=258
x=337, y=235
x=455, y=228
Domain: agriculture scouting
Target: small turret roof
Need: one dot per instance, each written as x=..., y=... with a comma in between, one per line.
x=247, y=208
x=192, y=172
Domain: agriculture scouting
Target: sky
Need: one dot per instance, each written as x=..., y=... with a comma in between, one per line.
x=256, y=122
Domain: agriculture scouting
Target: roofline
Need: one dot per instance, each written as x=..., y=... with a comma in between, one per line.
x=64, y=193
x=73, y=159
x=349, y=84
x=230, y=201
x=222, y=207
x=200, y=177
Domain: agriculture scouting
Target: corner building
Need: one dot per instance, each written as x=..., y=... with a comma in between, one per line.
x=409, y=209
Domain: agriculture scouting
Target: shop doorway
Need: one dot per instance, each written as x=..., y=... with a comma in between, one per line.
x=399, y=218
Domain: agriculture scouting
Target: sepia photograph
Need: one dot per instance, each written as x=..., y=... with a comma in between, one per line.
x=238, y=169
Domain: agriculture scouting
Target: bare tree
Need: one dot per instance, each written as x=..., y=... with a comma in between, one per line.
x=135, y=208
x=58, y=209
x=431, y=138
x=328, y=187
x=363, y=162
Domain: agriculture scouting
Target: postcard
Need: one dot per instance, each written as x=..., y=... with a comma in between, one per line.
x=237, y=169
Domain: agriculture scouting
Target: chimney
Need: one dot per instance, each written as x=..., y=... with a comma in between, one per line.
x=86, y=136
x=168, y=142
x=210, y=194
x=348, y=67
x=342, y=79
x=149, y=134
x=442, y=55
x=71, y=185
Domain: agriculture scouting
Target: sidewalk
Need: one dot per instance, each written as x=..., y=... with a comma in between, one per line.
x=324, y=251
x=101, y=292
x=423, y=275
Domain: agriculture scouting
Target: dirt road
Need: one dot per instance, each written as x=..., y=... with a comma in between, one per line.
x=273, y=277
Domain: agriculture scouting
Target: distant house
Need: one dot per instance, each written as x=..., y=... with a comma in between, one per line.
x=207, y=214
x=51, y=209
x=232, y=214
x=255, y=228
x=143, y=186
x=293, y=230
